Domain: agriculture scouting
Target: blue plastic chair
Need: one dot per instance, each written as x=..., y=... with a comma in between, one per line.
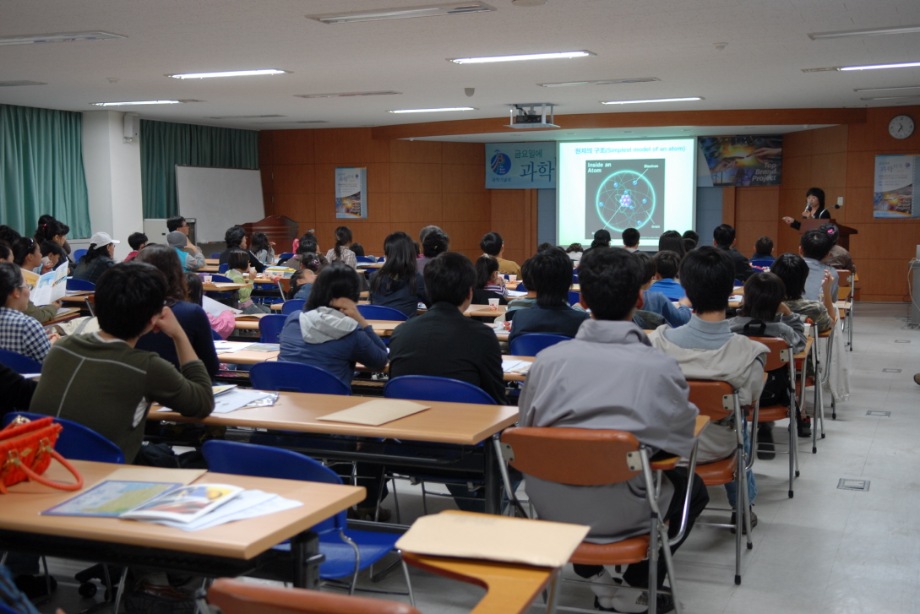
x=346, y=551
x=223, y=268
x=762, y=263
x=285, y=256
x=434, y=388
x=530, y=344
x=80, y=285
x=296, y=377
x=365, y=259
x=221, y=279
x=381, y=312
x=19, y=363
x=78, y=254
x=78, y=442
x=216, y=336
x=574, y=297
x=521, y=287
x=292, y=305
x=270, y=327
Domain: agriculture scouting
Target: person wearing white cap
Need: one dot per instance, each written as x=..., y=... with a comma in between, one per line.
x=98, y=258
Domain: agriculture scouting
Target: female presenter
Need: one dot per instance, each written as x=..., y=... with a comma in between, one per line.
x=814, y=208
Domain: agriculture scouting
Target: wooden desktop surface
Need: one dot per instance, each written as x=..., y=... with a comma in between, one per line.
x=244, y=357
x=454, y=423
x=63, y=315
x=242, y=539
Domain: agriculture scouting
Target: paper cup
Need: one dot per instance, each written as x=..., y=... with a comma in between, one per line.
x=512, y=278
x=493, y=303
x=206, y=278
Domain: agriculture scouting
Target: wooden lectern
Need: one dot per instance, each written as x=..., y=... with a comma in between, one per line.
x=843, y=240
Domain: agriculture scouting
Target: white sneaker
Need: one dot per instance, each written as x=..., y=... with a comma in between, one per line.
x=634, y=601
x=604, y=585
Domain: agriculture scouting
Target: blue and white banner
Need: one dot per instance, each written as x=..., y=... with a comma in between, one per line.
x=512, y=166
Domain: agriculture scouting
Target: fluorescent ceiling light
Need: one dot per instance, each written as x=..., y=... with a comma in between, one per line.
x=879, y=66
x=887, y=89
x=58, y=37
x=129, y=103
x=440, y=110
x=601, y=82
x=229, y=73
x=270, y=116
x=653, y=100
x=409, y=12
x=905, y=97
x=557, y=55
x=349, y=94
x=20, y=83
x=865, y=32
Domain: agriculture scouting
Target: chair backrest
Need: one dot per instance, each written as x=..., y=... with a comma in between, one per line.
x=844, y=285
x=285, y=256
x=530, y=343
x=366, y=259
x=381, y=312
x=433, y=388
x=223, y=268
x=269, y=462
x=79, y=253
x=779, y=355
x=238, y=597
x=574, y=297
x=296, y=377
x=714, y=399
x=521, y=287
x=19, y=363
x=270, y=327
x=539, y=451
x=762, y=262
x=290, y=306
x=221, y=279
x=79, y=285
x=216, y=335
x=78, y=442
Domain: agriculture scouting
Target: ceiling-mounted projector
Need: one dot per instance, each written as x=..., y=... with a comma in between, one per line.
x=532, y=115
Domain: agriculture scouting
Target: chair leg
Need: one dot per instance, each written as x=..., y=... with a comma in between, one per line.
x=669, y=569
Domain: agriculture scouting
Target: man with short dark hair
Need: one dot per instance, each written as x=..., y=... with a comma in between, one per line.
x=102, y=381
x=723, y=237
x=631, y=239
x=549, y=273
x=493, y=245
x=609, y=377
x=443, y=341
x=813, y=247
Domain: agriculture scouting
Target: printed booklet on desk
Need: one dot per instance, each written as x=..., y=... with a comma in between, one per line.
x=184, y=504
x=111, y=498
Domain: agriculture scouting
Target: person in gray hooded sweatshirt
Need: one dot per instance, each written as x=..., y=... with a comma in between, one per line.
x=330, y=332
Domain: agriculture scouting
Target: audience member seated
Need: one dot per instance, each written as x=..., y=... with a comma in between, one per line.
x=52, y=255
x=97, y=259
x=763, y=314
x=443, y=341
x=571, y=384
x=237, y=266
x=667, y=266
x=15, y=391
x=190, y=257
x=56, y=231
x=191, y=317
x=330, y=332
x=23, y=251
x=838, y=257
x=137, y=241
x=493, y=245
x=656, y=302
x=263, y=249
x=307, y=249
x=434, y=242
x=489, y=283
x=302, y=279
x=358, y=249
x=235, y=238
x=601, y=239
x=85, y=374
x=575, y=250
x=705, y=348
x=690, y=239
x=763, y=251
x=671, y=240
x=223, y=323
x=550, y=272
x=793, y=271
x=813, y=247
x=341, y=251
x=723, y=237
x=398, y=284
x=18, y=332
x=631, y=238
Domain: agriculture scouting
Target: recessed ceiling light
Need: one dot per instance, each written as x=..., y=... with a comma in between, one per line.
x=58, y=37
x=654, y=100
x=129, y=103
x=864, y=32
x=601, y=82
x=409, y=12
x=879, y=66
x=349, y=94
x=438, y=110
x=229, y=73
x=555, y=55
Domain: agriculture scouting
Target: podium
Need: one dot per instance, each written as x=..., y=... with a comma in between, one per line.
x=843, y=239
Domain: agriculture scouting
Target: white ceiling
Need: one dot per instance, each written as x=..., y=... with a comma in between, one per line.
x=737, y=54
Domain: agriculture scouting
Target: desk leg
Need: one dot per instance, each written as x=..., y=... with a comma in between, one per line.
x=306, y=559
x=492, y=481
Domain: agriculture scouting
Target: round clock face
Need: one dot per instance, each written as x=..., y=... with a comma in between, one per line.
x=901, y=126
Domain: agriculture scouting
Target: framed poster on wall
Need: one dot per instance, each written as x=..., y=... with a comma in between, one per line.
x=893, y=194
x=351, y=193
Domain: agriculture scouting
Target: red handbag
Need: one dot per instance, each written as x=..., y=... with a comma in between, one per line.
x=26, y=450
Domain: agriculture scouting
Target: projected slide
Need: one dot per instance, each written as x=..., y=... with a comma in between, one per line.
x=649, y=185
x=623, y=194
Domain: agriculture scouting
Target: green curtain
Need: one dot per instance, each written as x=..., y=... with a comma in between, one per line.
x=165, y=145
x=41, y=169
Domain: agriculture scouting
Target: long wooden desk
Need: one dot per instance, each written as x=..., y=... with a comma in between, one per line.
x=463, y=424
x=229, y=549
x=64, y=314
x=243, y=356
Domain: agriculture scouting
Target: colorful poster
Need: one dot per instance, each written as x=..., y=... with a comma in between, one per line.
x=351, y=193
x=895, y=178
x=512, y=166
x=744, y=160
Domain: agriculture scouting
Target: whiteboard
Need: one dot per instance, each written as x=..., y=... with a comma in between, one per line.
x=218, y=198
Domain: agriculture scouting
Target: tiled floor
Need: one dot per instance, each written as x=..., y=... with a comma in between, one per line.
x=826, y=550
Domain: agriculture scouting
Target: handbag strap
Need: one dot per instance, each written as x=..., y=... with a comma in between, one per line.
x=36, y=477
